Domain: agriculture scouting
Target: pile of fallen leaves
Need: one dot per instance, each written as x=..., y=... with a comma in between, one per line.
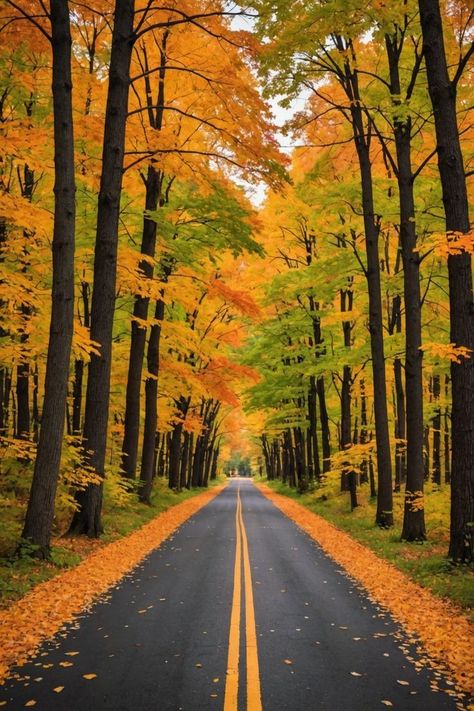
x=50, y=605
x=437, y=626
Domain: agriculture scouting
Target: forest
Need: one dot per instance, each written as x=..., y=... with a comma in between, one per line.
x=235, y=237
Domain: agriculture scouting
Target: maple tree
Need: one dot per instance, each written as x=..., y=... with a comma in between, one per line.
x=321, y=311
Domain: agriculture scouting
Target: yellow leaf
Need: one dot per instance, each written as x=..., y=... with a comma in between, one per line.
x=31, y=702
x=216, y=680
x=403, y=683
x=89, y=676
x=287, y=661
x=65, y=664
x=58, y=689
x=386, y=703
x=71, y=654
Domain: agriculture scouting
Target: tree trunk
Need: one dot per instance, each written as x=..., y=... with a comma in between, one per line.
x=325, y=433
x=384, y=515
x=40, y=511
x=138, y=333
x=35, y=416
x=451, y=168
x=413, y=518
x=23, y=368
x=183, y=473
x=151, y=405
x=175, y=456
x=79, y=368
x=436, y=469
x=400, y=426
x=87, y=518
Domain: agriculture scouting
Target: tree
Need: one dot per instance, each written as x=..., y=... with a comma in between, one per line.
x=40, y=511
x=442, y=92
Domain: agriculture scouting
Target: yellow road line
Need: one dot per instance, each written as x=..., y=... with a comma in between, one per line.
x=254, y=702
x=232, y=678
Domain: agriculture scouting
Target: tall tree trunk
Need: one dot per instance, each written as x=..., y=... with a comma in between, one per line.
x=400, y=425
x=151, y=404
x=183, y=472
x=436, y=470
x=40, y=510
x=27, y=182
x=87, y=518
x=175, y=456
x=325, y=432
x=79, y=367
x=313, y=446
x=413, y=518
x=451, y=168
x=301, y=473
x=138, y=332
x=35, y=416
x=153, y=185
x=384, y=515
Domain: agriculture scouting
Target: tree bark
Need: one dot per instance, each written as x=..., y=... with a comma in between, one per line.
x=453, y=182
x=40, y=510
x=413, y=518
x=325, y=432
x=436, y=470
x=384, y=515
x=87, y=519
x=138, y=333
x=151, y=405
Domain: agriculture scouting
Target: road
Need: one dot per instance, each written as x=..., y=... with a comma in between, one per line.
x=239, y=611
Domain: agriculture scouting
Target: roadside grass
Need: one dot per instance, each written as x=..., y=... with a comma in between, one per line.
x=19, y=574
x=426, y=563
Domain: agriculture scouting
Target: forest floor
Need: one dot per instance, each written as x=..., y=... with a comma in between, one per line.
x=19, y=575
x=425, y=563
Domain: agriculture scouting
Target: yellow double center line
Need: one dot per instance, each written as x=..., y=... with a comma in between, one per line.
x=254, y=702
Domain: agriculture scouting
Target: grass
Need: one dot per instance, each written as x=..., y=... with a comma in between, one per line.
x=18, y=575
x=426, y=563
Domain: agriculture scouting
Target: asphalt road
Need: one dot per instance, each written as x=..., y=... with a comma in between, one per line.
x=165, y=637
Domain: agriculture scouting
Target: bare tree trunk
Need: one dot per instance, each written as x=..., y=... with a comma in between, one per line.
x=451, y=169
x=87, y=518
x=40, y=511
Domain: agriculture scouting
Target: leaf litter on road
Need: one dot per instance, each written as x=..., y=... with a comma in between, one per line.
x=442, y=634
x=50, y=605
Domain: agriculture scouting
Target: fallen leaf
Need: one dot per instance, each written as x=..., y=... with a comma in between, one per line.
x=386, y=703
x=58, y=689
x=216, y=680
x=403, y=683
x=89, y=676
x=356, y=674
x=198, y=665
x=66, y=664
x=65, y=596
x=31, y=702
x=287, y=661
x=71, y=654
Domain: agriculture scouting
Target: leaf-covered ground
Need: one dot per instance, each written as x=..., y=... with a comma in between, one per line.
x=41, y=613
x=442, y=634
